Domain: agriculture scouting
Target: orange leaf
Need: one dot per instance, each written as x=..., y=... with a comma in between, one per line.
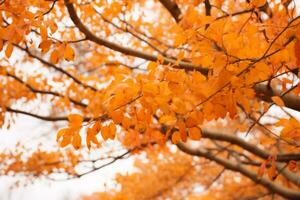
x=195, y=133
x=112, y=130
x=54, y=57
x=45, y=45
x=127, y=122
x=69, y=53
x=61, y=133
x=176, y=137
x=66, y=140
x=182, y=130
x=258, y=3
x=272, y=172
x=297, y=51
x=43, y=32
x=117, y=116
x=91, y=137
x=168, y=120
x=97, y=127
x=194, y=119
x=292, y=165
x=1, y=45
x=277, y=100
x=261, y=170
x=76, y=141
x=75, y=120
x=105, y=132
x=9, y=50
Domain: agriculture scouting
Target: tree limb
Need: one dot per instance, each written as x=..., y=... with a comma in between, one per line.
x=127, y=51
x=34, y=90
x=279, y=189
x=248, y=146
x=173, y=9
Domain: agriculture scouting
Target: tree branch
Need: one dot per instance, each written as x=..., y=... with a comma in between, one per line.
x=34, y=90
x=265, y=93
x=127, y=51
x=49, y=64
x=248, y=146
x=173, y=9
x=45, y=118
x=279, y=189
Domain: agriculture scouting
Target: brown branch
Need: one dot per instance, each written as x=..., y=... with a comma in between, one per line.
x=207, y=8
x=127, y=51
x=34, y=90
x=265, y=93
x=294, y=178
x=248, y=146
x=45, y=118
x=130, y=32
x=49, y=64
x=279, y=189
x=106, y=164
x=188, y=66
x=173, y=9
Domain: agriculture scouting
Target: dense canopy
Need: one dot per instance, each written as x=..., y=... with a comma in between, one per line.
x=204, y=94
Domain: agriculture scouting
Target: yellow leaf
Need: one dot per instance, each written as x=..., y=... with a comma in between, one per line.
x=277, y=100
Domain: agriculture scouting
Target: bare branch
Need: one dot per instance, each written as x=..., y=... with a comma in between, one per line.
x=34, y=90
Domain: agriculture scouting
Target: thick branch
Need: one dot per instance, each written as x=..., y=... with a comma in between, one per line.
x=248, y=146
x=132, y=52
x=127, y=51
x=265, y=93
x=285, y=192
x=173, y=9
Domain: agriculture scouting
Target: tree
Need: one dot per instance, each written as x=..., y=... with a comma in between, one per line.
x=154, y=75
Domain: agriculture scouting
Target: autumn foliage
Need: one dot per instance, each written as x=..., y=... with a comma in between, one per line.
x=204, y=94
